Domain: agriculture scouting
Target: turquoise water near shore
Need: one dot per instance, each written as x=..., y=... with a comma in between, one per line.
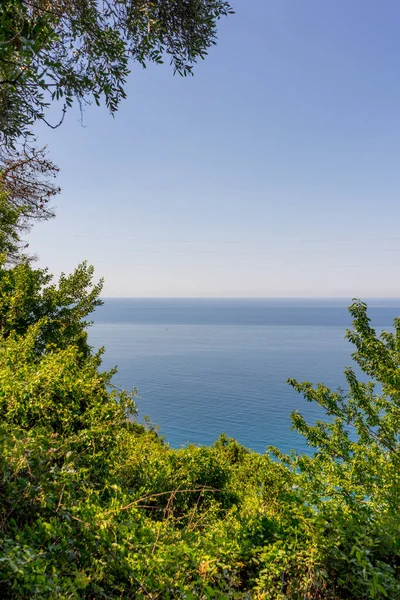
x=206, y=366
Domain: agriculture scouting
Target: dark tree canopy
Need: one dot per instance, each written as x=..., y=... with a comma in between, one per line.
x=61, y=51
x=80, y=50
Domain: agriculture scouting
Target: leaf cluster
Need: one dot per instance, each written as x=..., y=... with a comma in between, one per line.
x=66, y=50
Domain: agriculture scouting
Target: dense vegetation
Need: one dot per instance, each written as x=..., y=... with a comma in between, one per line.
x=94, y=505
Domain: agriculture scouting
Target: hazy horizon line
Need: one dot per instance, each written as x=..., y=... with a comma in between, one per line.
x=346, y=298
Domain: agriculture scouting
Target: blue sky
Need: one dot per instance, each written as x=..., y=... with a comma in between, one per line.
x=275, y=171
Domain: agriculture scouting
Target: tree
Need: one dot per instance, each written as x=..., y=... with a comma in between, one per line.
x=61, y=50
x=26, y=191
x=350, y=485
x=28, y=297
x=26, y=176
x=58, y=51
x=359, y=446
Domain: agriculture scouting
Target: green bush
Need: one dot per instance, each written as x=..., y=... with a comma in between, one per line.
x=95, y=505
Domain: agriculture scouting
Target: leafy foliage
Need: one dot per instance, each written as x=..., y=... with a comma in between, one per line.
x=80, y=49
x=95, y=505
x=10, y=218
x=353, y=476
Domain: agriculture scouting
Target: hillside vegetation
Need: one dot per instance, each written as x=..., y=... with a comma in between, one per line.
x=94, y=505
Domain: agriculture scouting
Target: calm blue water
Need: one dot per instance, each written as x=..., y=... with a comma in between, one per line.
x=203, y=367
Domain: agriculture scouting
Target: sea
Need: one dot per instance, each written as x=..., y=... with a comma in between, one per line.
x=203, y=367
